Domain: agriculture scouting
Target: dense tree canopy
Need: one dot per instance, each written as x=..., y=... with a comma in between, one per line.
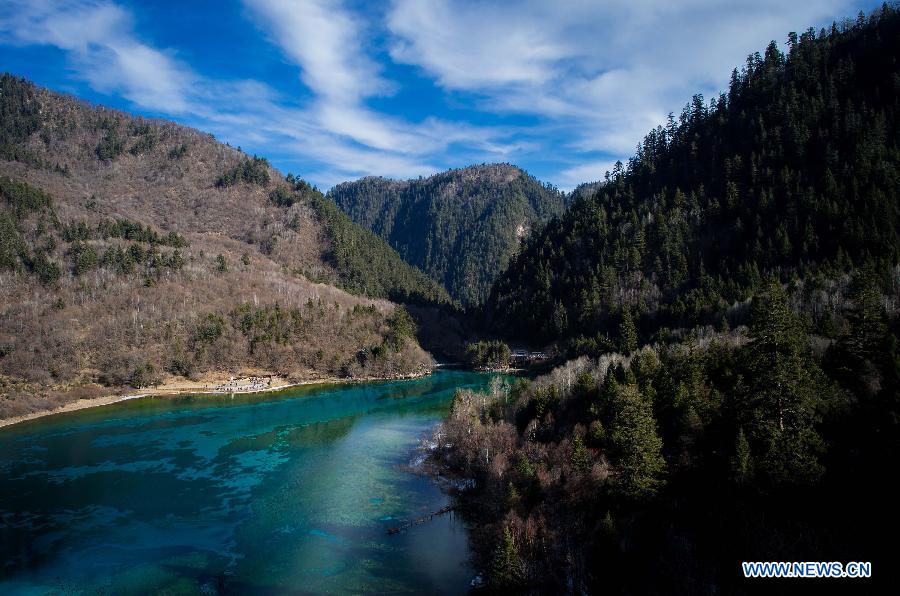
x=365, y=263
x=745, y=431
x=460, y=227
x=253, y=170
x=793, y=171
x=19, y=116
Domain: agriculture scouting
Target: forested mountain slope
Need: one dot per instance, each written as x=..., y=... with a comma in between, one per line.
x=794, y=171
x=657, y=467
x=460, y=227
x=134, y=249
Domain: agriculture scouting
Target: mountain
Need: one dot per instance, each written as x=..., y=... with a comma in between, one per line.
x=584, y=190
x=460, y=227
x=792, y=172
x=136, y=250
x=728, y=305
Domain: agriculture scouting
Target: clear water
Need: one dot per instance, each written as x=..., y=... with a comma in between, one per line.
x=281, y=494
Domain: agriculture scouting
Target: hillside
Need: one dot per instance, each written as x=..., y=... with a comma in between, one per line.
x=731, y=297
x=460, y=227
x=792, y=172
x=136, y=250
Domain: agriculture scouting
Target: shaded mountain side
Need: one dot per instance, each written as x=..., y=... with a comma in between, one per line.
x=136, y=249
x=732, y=300
x=460, y=227
x=793, y=172
x=367, y=266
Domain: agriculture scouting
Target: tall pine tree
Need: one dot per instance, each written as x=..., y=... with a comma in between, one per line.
x=636, y=444
x=782, y=396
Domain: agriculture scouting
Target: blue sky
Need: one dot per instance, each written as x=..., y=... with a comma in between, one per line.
x=334, y=90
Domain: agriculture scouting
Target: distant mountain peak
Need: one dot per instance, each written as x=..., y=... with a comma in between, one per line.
x=460, y=226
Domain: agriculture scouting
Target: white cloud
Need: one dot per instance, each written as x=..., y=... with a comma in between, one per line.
x=98, y=35
x=476, y=46
x=328, y=43
x=590, y=78
x=334, y=130
x=602, y=72
x=592, y=171
x=325, y=40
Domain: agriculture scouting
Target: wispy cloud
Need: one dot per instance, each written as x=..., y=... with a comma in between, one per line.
x=479, y=46
x=332, y=137
x=567, y=86
x=603, y=73
x=103, y=49
x=325, y=40
x=328, y=43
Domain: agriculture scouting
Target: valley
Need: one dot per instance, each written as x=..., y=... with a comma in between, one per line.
x=456, y=379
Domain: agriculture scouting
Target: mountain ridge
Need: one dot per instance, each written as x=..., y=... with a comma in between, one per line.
x=460, y=226
x=791, y=172
x=136, y=249
x=724, y=311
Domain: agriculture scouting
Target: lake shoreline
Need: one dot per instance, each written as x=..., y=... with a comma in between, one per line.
x=300, y=488
x=220, y=387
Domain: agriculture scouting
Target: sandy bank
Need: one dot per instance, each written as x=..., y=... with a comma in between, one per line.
x=213, y=384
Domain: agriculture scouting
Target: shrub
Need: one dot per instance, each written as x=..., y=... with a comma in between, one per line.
x=144, y=375
x=209, y=329
x=251, y=171
x=178, y=152
x=23, y=197
x=84, y=257
x=110, y=146
x=46, y=270
x=282, y=197
x=12, y=247
x=402, y=326
x=144, y=144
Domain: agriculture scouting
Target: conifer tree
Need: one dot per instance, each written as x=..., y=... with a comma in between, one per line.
x=742, y=463
x=859, y=358
x=636, y=444
x=865, y=340
x=628, y=341
x=580, y=458
x=507, y=571
x=782, y=399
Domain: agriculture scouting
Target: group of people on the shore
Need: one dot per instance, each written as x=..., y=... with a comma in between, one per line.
x=235, y=385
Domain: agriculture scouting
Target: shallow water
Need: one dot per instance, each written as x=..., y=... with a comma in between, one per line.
x=281, y=494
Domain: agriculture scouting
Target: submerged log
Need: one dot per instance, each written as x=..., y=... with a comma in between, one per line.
x=420, y=520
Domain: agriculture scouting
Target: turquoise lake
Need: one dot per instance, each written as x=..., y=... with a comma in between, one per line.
x=287, y=493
